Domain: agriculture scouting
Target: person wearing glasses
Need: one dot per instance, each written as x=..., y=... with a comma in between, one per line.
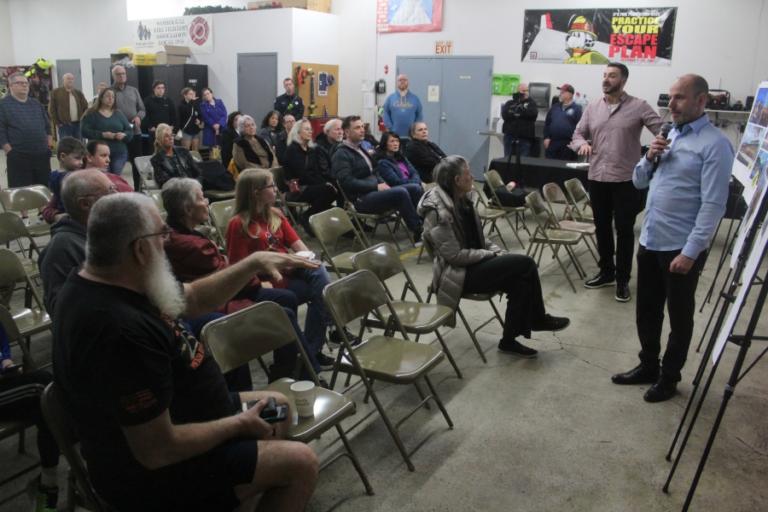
x=157, y=425
x=66, y=250
x=258, y=226
x=25, y=135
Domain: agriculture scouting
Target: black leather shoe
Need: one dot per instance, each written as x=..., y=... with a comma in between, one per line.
x=638, y=375
x=662, y=390
x=599, y=281
x=622, y=292
x=551, y=323
x=516, y=348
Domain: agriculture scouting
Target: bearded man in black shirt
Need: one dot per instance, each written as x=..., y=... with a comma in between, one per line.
x=158, y=427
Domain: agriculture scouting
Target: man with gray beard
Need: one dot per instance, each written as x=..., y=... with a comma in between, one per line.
x=158, y=427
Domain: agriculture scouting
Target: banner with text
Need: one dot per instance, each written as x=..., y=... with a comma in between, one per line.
x=641, y=35
x=196, y=32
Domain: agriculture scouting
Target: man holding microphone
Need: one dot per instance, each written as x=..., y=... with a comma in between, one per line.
x=688, y=172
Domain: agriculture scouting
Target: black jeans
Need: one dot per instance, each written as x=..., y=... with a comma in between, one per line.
x=656, y=285
x=518, y=277
x=615, y=203
x=320, y=198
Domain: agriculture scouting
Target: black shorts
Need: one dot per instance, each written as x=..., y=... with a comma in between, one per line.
x=204, y=483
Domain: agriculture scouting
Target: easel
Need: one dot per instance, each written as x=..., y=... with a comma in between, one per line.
x=742, y=341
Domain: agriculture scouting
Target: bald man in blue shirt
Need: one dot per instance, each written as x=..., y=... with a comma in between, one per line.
x=687, y=174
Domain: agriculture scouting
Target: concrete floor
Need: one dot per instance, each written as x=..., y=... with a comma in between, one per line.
x=546, y=434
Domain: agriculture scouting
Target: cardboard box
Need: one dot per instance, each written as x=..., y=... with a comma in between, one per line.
x=312, y=5
x=173, y=55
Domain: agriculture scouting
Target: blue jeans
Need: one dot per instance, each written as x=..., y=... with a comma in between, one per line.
x=396, y=198
x=308, y=285
x=523, y=145
x=117, y=162
x=70, y=130
x=285, y=356
x=415, y=191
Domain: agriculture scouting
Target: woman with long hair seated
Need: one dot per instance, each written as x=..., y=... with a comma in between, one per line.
x=250, y=149
x=395, y=169
x=171, y=161
x=465, y=262
x=192, y=256
x=258, y=226
x=302, y=165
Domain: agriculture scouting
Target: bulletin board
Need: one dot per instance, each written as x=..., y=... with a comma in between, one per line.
x=318, y=87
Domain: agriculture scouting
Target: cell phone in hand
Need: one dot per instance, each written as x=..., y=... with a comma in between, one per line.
x=272, y=413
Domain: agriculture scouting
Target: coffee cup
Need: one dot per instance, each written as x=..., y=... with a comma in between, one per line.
x=304, y=397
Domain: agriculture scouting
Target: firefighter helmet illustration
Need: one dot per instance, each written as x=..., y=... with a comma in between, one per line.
x=580, y=41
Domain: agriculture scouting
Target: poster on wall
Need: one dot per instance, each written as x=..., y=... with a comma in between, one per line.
x=195, y=32
x=409, y=16
x=641, y=35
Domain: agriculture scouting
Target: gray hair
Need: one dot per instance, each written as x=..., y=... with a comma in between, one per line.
x=114, y=223
x=242, y=120
x=328, y=126
x=178, y=193
x=113, y=71
x=293, y=135
x=446, y=171
x=76, y=185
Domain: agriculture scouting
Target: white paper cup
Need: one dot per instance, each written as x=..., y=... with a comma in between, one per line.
x=306, y=254
x=304, y=397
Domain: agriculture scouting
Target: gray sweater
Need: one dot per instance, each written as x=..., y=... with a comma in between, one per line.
x=128, y=101
x=24, y=125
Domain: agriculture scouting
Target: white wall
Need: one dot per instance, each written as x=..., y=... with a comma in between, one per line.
x=722, y=42
x=6, y=41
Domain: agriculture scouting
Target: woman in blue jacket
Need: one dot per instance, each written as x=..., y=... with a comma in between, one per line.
x=214, y=115
x=395, y=169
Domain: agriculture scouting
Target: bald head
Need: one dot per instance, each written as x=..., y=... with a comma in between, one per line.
x=523, y=89
x=402, y=82
x=81, y=189
x=68, y=80
x=688, y=98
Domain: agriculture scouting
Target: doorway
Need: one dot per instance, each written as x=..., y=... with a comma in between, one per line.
x=101, y=72
x=256, y=83
x=455, y=94
x=64, y=66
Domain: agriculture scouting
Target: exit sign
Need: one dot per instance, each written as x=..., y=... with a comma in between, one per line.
x=443, y=47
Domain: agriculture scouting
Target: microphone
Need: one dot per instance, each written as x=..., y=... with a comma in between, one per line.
x=665, y=129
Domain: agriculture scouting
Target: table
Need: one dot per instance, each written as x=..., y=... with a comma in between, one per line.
x=535, y=172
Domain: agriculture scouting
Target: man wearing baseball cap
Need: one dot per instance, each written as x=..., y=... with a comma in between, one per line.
x=561, y=120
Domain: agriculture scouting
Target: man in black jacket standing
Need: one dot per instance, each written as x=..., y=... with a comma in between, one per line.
x=519, y=116
x=290, y=102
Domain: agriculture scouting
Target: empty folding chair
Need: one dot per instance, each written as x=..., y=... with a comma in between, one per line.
x=581, y=206
x=329, y=226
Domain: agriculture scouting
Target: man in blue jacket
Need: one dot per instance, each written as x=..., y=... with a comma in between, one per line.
x=559, y=125
x=402, y=109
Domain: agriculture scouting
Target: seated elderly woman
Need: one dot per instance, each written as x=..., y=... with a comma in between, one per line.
x=171, y=161
x=422, y=152
x=302, y=165
x=193, y=256
x=259, y=226
x=395, y=169
x=250, y=149
x=465, y=262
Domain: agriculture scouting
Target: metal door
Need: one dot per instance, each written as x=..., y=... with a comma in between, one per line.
x=424, y=72
x=455, y=93
x=64, y=66
x=465, y=99
x=256, y=83
x=100, y=71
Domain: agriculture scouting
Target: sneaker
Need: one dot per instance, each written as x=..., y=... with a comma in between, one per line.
x=417, y=237
x=325, y=362
x=335, y=338
x=516, y=348
x=599, y=281
x=551, y=323
x=622, y=292
x=44, y=499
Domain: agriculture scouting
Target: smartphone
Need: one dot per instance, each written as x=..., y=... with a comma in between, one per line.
x=272, y=413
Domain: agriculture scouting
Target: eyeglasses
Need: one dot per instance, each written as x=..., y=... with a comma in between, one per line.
x=20, y=83
x=165, y=234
